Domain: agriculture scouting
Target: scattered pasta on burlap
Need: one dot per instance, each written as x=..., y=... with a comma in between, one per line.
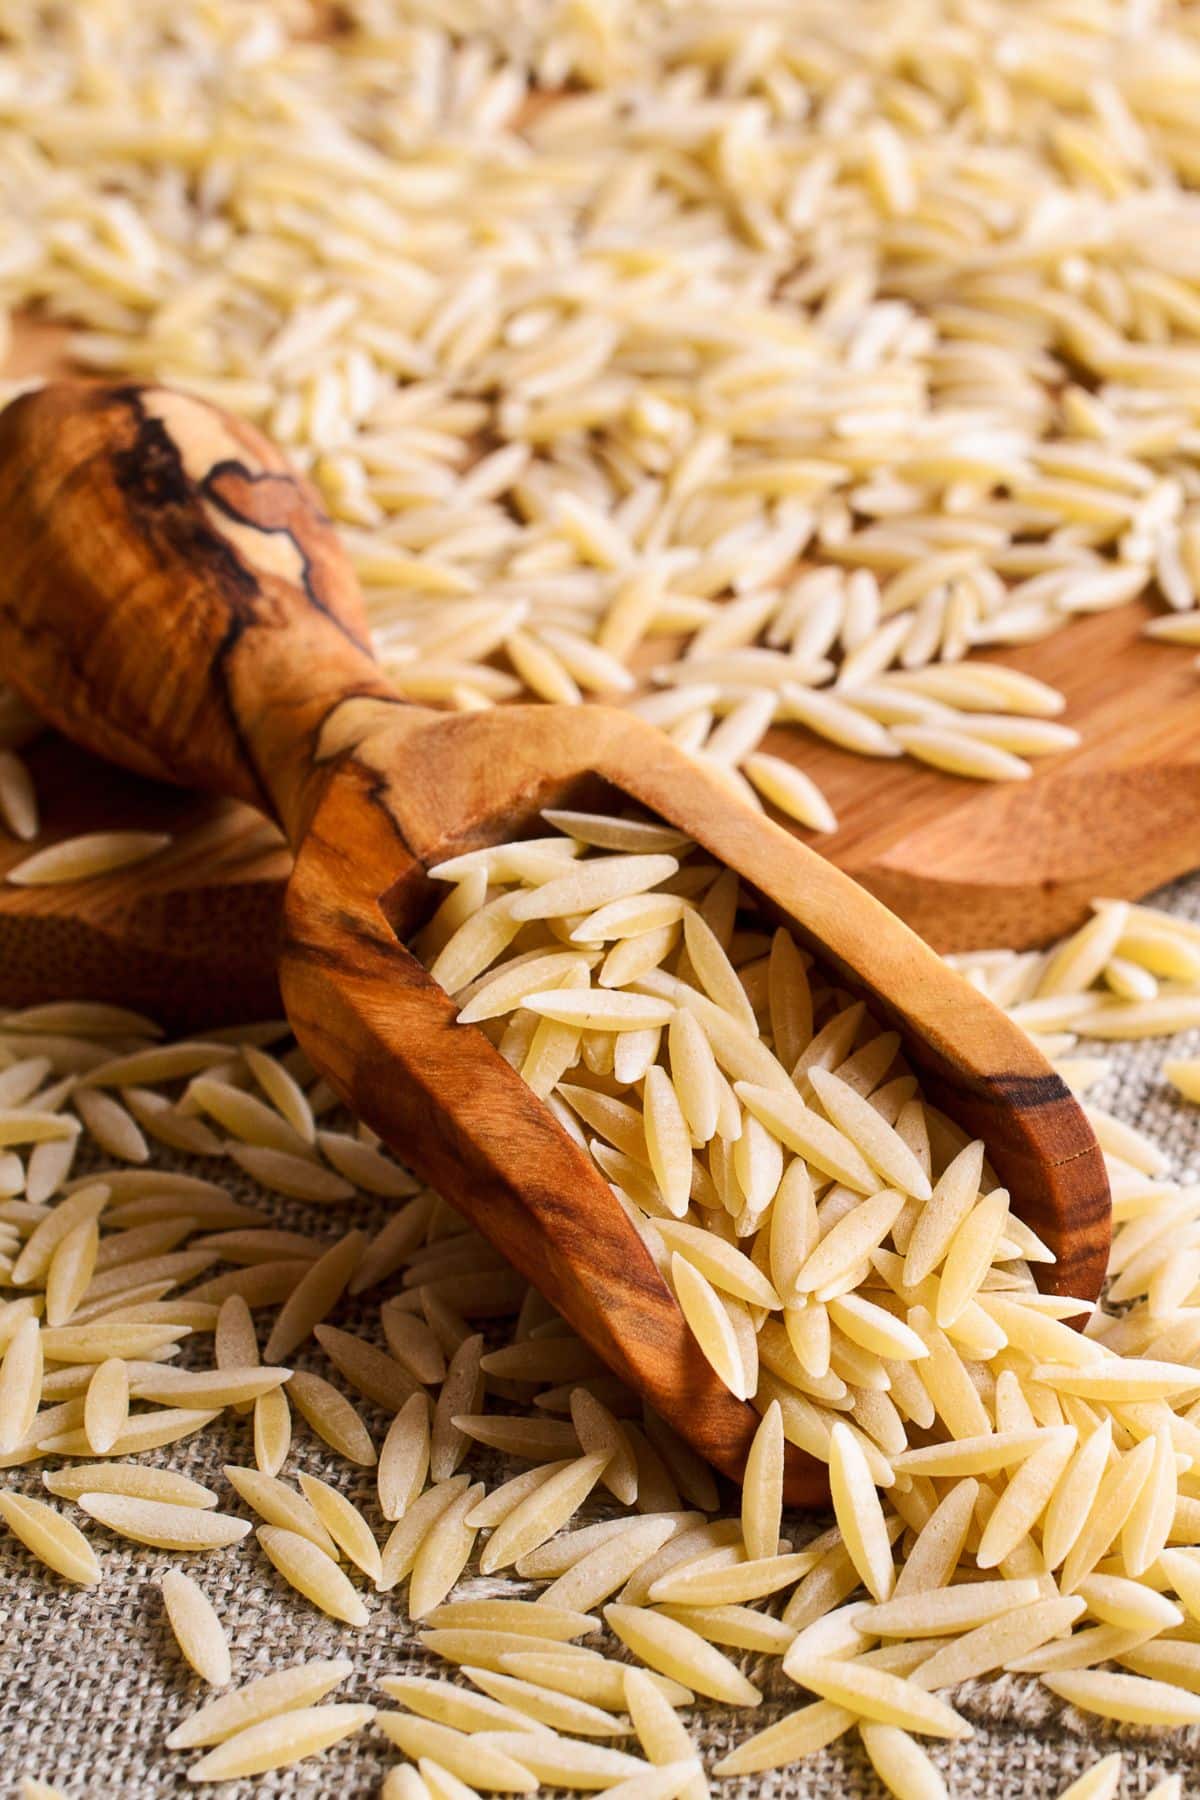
x=1009, y=1493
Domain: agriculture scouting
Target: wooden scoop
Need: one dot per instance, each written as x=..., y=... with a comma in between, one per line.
x=172, y=597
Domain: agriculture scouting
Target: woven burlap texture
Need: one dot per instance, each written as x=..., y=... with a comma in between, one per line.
x=91, y=1681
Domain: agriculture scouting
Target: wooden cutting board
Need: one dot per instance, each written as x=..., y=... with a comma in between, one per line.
x=190, y=935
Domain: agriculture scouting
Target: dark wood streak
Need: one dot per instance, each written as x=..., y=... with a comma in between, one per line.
x=121, y=619
x=150, y=476
x=161, y=499
x=1030, y=1091
x=276, y=505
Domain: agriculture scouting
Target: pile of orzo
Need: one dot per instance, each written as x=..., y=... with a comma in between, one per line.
x=796, y=350
x=799, y=349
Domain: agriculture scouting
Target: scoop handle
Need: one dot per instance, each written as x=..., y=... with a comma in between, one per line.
x=172, y=595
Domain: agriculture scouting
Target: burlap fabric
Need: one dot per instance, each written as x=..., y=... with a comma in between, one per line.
x=91, y=1681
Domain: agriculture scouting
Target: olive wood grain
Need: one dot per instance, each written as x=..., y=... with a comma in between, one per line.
x=172, y=597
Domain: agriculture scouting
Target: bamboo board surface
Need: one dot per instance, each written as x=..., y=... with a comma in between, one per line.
x=191, y=934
